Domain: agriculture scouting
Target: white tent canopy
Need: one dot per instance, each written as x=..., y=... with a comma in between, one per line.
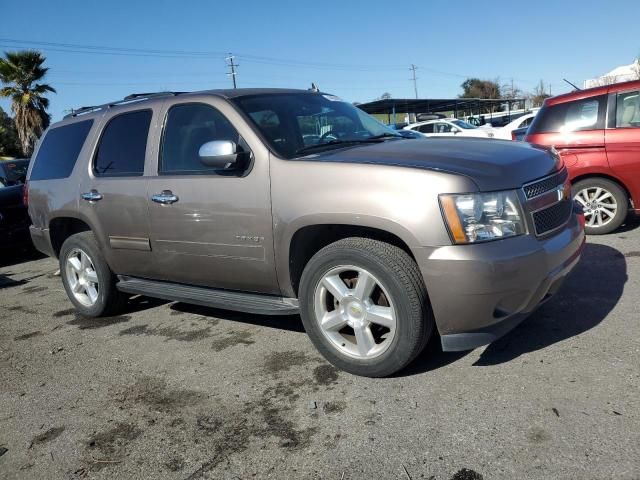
x=623, y=73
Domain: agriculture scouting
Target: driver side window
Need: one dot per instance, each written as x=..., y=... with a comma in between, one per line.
x=188, y=127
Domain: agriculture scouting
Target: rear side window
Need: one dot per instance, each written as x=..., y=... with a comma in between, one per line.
x=428, y=128
x=123, y=145
x=59, y=151
x=628, y=110
x=585, y=114
x=527, y=122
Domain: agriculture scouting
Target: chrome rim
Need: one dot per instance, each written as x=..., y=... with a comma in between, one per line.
x=599, y=206
x=355, y=312
x=82, y=277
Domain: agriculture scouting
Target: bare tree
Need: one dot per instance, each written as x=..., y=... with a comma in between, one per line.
x=636, y=68
x=539, y=94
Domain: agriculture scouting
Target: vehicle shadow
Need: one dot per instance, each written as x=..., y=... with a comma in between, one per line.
x=630, y=224
x=292, y=323
x=431, y=358
x=12, y=257
x=588, y=295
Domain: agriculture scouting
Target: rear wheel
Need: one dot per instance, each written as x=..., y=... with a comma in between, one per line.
x=87, y=279
x=364, y=305
x=604, y=202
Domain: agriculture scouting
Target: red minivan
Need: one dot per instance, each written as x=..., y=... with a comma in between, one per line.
x=597, y=133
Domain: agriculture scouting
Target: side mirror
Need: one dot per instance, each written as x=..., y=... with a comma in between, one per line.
x=218, y=153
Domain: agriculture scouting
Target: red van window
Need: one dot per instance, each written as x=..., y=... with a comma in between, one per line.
x=584, y=114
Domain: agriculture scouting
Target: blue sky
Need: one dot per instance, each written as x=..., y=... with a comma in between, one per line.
x=357, y=50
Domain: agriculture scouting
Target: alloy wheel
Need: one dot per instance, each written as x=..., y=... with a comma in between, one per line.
x=82, y=277
x=355, y=312
x=599, y=206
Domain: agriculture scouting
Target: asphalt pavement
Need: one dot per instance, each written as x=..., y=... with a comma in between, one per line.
x=173, y=391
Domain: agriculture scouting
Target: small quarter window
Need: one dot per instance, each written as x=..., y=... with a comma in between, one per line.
x=123, y=145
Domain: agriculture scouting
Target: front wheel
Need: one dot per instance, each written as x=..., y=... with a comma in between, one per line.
x=364, y=305
x=605, y=204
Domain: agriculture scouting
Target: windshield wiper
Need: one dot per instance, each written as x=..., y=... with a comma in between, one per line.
x=332, y=143
x=386, y=135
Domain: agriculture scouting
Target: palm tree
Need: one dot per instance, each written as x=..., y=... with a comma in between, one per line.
x=20, y=72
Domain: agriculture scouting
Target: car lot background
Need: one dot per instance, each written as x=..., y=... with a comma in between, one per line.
x=168, y=390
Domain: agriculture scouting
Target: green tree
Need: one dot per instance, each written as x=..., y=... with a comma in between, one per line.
x=9, y=143
x=477, y=88
x=21, y=72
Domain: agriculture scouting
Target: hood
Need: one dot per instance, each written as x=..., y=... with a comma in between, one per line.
x=491, y=164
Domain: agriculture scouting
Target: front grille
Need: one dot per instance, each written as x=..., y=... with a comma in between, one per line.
x=548, y=183
x=552, y=217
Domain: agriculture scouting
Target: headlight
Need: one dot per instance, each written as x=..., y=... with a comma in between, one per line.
x=478, y=217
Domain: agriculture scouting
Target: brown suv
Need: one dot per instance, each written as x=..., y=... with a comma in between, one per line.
x=286, y=201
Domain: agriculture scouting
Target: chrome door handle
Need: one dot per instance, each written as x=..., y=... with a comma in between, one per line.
x=91, y=196
x=166, y=197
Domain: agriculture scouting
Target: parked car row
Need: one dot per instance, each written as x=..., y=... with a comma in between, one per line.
x=450, y=127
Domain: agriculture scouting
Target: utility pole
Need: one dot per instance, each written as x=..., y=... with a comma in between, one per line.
x=233, y=66
x=415, y=85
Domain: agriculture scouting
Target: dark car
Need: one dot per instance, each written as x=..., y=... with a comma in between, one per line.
x=14, y=219
x=13, y=172
x=410, y=134
x=519, y=133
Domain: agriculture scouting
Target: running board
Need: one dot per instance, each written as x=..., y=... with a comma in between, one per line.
x=210, y=297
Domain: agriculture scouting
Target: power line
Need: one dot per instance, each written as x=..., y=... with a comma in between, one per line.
x=191, y=54
x=415, y=85
x=233, y=66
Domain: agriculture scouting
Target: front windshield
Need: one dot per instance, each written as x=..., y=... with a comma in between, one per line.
x=463, y=124
x=291, y=122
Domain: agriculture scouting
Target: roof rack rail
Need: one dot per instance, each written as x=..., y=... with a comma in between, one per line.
x=129, y=98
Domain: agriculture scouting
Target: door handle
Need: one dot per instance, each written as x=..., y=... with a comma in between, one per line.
x=166, y=197
x=91, y=196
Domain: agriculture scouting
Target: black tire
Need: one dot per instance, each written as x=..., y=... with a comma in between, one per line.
x=404, y=283
x=110, y=301
x=618, y=193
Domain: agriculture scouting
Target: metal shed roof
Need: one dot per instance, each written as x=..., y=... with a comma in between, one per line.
x=432, y=105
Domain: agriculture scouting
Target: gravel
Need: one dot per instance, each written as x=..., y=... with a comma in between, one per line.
x=169, y=390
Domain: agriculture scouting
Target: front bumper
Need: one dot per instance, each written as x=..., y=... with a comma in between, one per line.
x=480, y=292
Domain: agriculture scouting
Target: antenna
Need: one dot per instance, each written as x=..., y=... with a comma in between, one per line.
x=571, y=84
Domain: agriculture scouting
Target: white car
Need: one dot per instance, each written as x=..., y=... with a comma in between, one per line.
x=520, y=122
x=450, y=127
